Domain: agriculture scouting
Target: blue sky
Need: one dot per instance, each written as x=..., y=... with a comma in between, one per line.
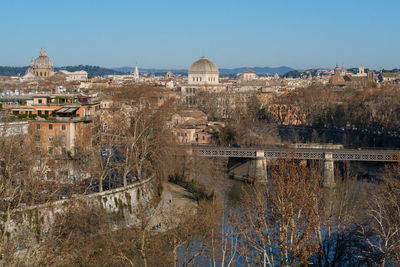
x=172, y=34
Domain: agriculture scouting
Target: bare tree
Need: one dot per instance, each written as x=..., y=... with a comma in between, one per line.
x=345, y=209
x=277, y=224
x=381, y=231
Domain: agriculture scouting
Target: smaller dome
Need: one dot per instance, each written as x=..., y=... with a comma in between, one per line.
x=43, y=60
x=250, y=71
x=203, y=65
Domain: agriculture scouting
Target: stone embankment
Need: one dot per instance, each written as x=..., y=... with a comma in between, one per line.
x=121, y=201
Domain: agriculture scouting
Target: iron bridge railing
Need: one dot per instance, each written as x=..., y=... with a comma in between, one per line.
x=300, y=153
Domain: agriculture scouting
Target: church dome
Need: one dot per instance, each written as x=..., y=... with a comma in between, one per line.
x=43, y=60
x=203, y=65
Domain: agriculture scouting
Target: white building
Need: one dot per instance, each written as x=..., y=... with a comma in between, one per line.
x=361, y=72
x=80, y=75
x=203, y=72
x=248, y=75
x=203, y=75
x=120, y=78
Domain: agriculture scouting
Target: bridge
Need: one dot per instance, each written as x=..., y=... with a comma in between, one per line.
x=326, y=153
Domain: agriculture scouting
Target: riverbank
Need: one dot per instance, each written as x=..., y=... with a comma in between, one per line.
x=175, y=205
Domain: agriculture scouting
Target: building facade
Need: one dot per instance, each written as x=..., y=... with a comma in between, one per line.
x=248, y=75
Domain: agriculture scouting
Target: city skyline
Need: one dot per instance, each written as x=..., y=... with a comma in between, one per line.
x=172, y=35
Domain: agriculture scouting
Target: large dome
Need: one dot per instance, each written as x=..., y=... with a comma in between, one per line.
x=43, y=60
x=203, y=65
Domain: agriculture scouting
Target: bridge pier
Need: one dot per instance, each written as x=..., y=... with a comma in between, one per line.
x=329, y=171
x=261, y=167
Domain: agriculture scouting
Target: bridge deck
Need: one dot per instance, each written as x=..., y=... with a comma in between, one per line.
x=299, y=153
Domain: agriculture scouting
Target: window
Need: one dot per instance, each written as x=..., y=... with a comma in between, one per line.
x=50, y=149
x=46, y=112
x=41, y=74
x=37, y=138
x=40, y=101
x=37, y=126
x=63, y=127
x=50, y=126
x=51, y=138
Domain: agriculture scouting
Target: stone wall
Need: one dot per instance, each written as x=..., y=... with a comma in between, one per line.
x=123, y=202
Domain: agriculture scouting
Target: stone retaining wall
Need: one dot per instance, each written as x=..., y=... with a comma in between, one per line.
x=122, y=202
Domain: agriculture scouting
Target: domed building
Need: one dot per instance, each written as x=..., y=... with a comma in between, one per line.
x=203, y=76
x=337, y=78
x=203, y=72
x=42, y=66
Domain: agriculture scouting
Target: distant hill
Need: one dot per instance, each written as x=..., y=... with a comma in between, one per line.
x=131, y=69
x=12, y=71
x=292, y=74
x=259, y=70
x=91, y=70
